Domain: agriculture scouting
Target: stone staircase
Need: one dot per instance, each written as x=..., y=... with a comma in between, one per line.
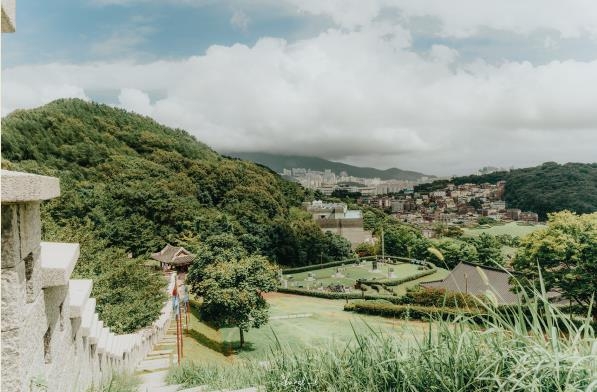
x=153, y=369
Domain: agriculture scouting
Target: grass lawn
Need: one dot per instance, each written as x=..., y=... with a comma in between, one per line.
x=351, y=272
x=326, y=323
x=512, y=228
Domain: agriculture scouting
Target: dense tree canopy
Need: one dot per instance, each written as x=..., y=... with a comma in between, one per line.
x=136, y=185
x=565, y=253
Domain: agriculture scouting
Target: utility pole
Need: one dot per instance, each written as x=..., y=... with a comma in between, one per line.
x=383, y=250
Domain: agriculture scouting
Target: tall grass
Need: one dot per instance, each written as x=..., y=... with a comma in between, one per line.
x=531, y=347
x=119, y=382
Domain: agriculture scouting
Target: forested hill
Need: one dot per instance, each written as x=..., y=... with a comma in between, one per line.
x=132, y=185
x=546, y=188
x=278, y=162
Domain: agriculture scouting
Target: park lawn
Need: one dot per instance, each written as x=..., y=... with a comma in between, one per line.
x=512, y=228
x=326, y=323
x=324, y=277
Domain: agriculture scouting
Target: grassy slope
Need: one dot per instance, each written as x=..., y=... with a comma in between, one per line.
x=327, y=324
x=511, y=228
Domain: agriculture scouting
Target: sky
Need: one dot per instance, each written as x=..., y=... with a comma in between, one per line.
x=442, y=87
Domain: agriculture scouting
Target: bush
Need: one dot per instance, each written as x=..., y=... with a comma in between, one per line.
x=399, y=281
x=314, y=267
x=411, y=312
x=438, y=298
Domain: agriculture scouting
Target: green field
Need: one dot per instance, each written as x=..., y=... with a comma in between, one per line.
x=351, y=272
x=322, y=322
x=512, y=228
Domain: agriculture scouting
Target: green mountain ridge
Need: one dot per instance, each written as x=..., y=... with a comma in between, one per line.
x=129, y=184
x=277, y=162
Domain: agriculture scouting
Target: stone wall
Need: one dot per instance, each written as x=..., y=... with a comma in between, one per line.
x=51, y=336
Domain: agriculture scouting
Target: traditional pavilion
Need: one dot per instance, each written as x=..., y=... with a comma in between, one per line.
x=174, y=257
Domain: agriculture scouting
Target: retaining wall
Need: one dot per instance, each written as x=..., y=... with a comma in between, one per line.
x=52, y=339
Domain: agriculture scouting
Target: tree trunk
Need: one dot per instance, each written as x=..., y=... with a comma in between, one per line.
x=242, y=337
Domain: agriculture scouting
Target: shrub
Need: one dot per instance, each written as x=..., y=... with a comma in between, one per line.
x=412, y=312
x=399, y=281
x=438, y=298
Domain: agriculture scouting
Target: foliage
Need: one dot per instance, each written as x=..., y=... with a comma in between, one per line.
x=454, y=232
x=119, y=383
x=403, y=240
x=407, y=311
x=399, y=281
x=300, y=241
x=369, y=220
x=365, y=249
x=486, y=220
x=550, y=187
x=477, y=204
x=129, y=295
x=232, y=292
x=489, y=250
x=132, y=185
x=143, y=184
x=438, y=298
x=543, y=351
x=455, y=251
x=565, y=253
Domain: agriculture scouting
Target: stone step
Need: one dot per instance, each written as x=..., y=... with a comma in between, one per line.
x=200, y=388
x=57, y=262
x=151, y=365
x=161, y=352
x=166, y=388
x=79, y=291
x=149, y=381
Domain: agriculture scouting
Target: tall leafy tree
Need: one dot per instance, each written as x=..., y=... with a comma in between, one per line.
x=489, y=250
x=232, y=292
x=565, y=252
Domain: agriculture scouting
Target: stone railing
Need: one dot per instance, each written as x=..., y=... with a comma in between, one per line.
x=52, y=338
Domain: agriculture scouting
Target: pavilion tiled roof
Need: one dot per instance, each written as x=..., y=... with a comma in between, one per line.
x=174, y=255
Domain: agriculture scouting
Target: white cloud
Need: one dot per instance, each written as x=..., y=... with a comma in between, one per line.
x=461, y=18
x=240, y=20
x=361, y=95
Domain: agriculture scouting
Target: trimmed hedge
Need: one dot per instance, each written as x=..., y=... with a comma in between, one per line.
x=438, y=298
x=398, y=281
x=312, y=267
x=411, y=312
x=321, y=294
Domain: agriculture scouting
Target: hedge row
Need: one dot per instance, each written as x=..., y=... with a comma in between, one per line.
x=436, y=297
x=353, y=260
x=313, y=267
x=321, y=294
x=408, y=311
x=332, y=295
x=398, y=281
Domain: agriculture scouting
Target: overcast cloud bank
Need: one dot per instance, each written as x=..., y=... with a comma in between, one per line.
x=359, y=92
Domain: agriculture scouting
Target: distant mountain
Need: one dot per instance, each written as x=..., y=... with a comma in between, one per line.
x=278, y=162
